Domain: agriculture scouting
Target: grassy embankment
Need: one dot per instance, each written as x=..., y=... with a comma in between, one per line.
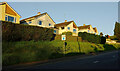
x=28, y=51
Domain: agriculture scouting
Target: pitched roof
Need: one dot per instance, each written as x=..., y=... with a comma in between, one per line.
x=84, y=27
x=37, y=16
x=33, y=16
x=95, y=29
x=63, y=24
x=5, y=3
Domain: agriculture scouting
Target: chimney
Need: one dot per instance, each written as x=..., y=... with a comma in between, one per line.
x=38, y=13
x=83, y=24
x=65, y=20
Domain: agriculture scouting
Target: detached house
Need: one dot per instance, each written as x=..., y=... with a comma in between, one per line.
x=42, y=20
x=88, y=29
x=7, y=13
x=69, y=26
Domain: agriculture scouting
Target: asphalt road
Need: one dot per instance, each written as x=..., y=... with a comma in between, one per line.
x=109, y=60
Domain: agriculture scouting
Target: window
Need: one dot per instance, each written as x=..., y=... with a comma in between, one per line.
x=15, y=20
x=30, y=22
x=88, y=31
x=6, y=18
x=11, y=19
x=68, y=28
x=62, y=27
x=40, y=22
x=74, y=30
x=49, y=24
x=54, y=31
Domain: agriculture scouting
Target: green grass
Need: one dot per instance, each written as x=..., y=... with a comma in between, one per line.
x=28, y=51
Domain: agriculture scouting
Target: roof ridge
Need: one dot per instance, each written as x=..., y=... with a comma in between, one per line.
x=33, y=16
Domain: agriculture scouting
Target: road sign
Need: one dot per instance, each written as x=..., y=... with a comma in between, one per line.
x=63, y=37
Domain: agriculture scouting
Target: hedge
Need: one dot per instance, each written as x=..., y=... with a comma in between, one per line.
x=69, y=38
x=21, y=32
x=92, y=38
x=67, y=33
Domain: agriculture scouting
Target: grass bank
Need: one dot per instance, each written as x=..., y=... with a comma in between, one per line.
x=28, y=51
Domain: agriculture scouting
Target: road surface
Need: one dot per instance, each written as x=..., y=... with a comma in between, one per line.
x=109, y=60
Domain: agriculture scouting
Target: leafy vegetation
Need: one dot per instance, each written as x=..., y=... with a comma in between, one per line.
x=20, y=32
x=117, y=30
x=29, y=51
x=92, y=38
x=67, y=33
x=113, y=37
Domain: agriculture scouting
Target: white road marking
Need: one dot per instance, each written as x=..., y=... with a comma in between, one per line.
x=96, y=61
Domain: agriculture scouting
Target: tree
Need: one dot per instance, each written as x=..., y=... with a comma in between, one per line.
x=101, y=34
x=117, y=30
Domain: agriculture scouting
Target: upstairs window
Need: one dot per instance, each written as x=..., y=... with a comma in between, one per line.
x=54, y=31
x=30, y=22
x=6, y=18
x=40, y=22
x=15, y=20
x=11, y=19
x=74, y=30
x=88, y=31
x=68, y=28
x=49, y=24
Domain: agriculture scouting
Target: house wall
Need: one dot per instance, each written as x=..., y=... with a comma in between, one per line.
x=57, y=31
x=67, y=30
x=45, y=21
x=3, y=13
x=91, y=30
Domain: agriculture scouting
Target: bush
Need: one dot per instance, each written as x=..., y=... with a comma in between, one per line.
x=113, y=37
x=21, y=32
x=69, y=38
x=109, y=47
x=67, y=33
x=92, y=38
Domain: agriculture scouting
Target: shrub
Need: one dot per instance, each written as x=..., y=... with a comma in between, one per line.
x=69, y=38
x=67, y=33
x=113, y=37
x=109, y=47
x=92, y=38
x=21, y=32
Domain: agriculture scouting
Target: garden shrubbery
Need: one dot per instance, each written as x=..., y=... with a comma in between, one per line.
x=67, y=33
x=92, y=38
x=21, y=32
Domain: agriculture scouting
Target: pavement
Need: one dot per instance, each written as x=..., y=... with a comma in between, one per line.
x=102, y=61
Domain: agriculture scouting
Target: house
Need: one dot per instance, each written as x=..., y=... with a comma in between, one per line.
x=42, y=20
x=7, y=13
x=88, y=29
x=96, y=31
x=69, y=26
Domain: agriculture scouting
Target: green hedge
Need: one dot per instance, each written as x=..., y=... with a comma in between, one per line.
x=92, y=38
x=69, y=38
x=67, y=33
x=21, y=32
